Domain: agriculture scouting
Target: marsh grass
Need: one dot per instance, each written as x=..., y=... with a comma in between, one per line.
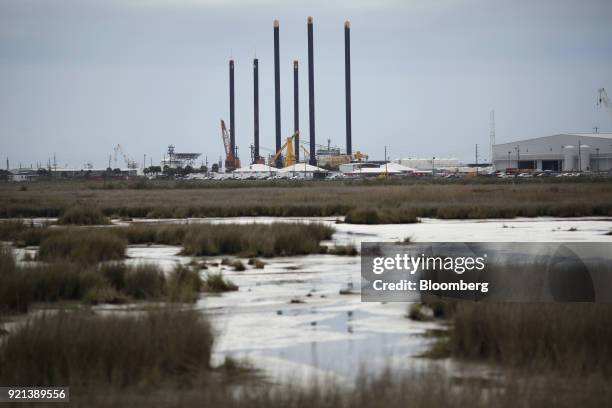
x=235, y=389
x=82, y=246
x=417, y=313
x=104, y=294
x=78, y=348
x=266, y=240
x=215, y=282
x=83, y=215
x=148, y=281
x=570, y=338
x=144, y=281
x=366, y=215
x=234, y=263
x=20, y=285
x=348, y=250
x=256, y=263
x=10, y=229
x=573, y=338
x=470, y=198
x=15, y=289
x=89, y=245
x=184, y=284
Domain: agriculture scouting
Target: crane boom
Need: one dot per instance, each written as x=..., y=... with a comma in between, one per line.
x=603, y=100
x=232, y=162
x=129, y=162
x=289, y=159
x=226, y=138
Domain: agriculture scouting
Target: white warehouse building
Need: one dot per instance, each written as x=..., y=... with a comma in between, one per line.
x=561, y=152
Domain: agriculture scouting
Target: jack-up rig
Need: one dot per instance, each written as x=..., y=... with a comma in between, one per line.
x=289, y=153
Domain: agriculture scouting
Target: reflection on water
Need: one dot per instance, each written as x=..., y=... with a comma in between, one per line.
x=290, y=320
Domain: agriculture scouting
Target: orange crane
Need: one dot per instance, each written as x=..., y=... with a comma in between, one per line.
x=232, y=162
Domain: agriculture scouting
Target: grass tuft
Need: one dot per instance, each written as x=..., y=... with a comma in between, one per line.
x=377, y=216
x=20, y=285
x=257, y=263
x=184, y=284
x=82, y=246
x=279, y=239
x=570, y=338
x=348, y=250
x=83, y=215
x=215, y=282
x=81, y=348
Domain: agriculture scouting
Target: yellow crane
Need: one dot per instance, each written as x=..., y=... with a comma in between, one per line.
x=289, y=157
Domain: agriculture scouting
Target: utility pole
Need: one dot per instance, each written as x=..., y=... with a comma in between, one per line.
x=579, y=157
x=518, y=157
x=433, y=166
x=597, y=158
x=492, y=135
x=476, y=158
x=386, y=169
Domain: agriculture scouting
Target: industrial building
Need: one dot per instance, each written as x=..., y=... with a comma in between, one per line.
x=430, y=163
x=32, y=174
x=23, y=175
x=560, y=152
x=175, y=160
x=256, y=170
x=375, y=169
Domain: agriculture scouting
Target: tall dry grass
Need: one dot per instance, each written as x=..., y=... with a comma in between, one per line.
x=79, y=348
x=573, y=339
x=376, y=216
x=92, y=245
x=21, y=285
x=82, y=246
x=465, y=199
x=15, y=289
x=83, y=215
x=278, y=239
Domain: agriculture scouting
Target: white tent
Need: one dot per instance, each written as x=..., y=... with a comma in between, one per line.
x=302, y=168
x=396, y=167
x=256, y=169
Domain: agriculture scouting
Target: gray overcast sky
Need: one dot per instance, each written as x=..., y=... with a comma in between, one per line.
x=77, y=77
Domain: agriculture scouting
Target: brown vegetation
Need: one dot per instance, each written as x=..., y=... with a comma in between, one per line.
x=82, y=246
x=571, y=338
x=78, y=348
x=90, y=245
x=106, y=283
x=465, y=199
x=82, y=215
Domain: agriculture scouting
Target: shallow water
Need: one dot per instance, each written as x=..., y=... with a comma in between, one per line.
x=323, y=334
x=332, y=335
